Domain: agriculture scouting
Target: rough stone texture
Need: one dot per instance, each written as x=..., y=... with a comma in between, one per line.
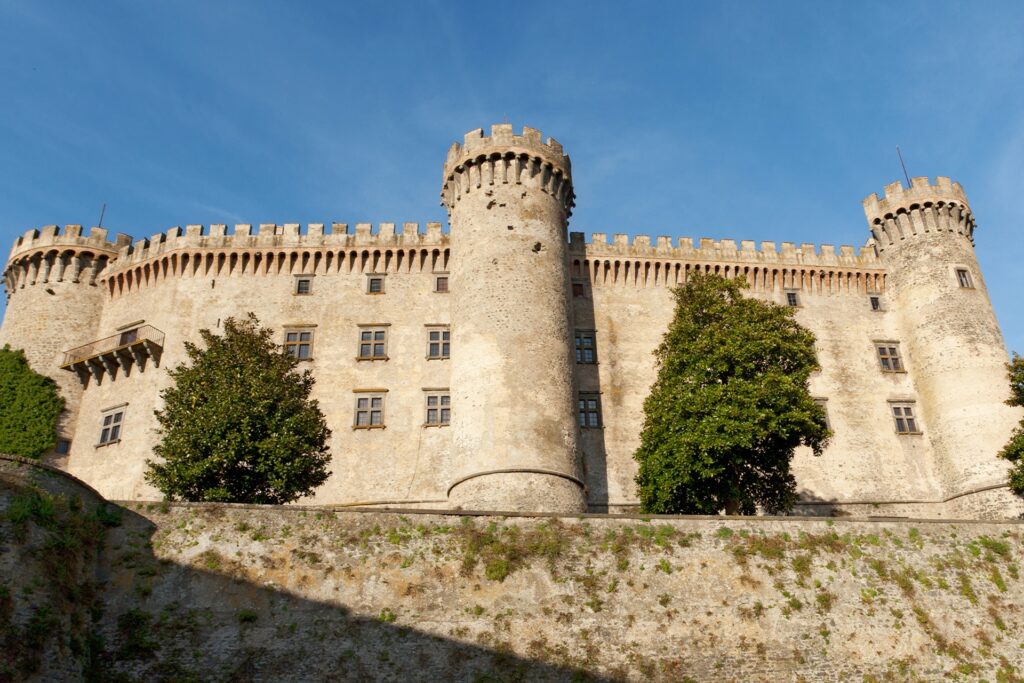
x=47, y=575
x=229, y=592
x=512, y=372
x=57, y=275
x=512, y=312
x=926, y=234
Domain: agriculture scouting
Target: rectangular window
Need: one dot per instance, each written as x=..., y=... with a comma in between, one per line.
x=369, y=410
x=63, y=447
x=128, y=337
x=375, y=284
x=304, y=284
x=439, y=343
x=299, y=343
x=823, y=402
x=963, y=277
x=111, y=426
x=590, y=411
x=373, y=343
x=441, y=284
x=889, y=356
x=577, y=290
x=439, y=409
x=906, y=421
x=792, y=299
x=586, y=350
x=876, y=303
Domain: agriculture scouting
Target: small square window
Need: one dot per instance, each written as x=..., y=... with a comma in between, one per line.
x=128, y=337
x=441, y=284
x=373, y=343
x=304, y=285
x=586, y=349
x=589, y=411
x=889, y=356
x=906, y=420
x=439, y=409
x=439, y=343
x=63, y=447
x=369, y=410
x=792, y=299
x=298, y=343
x=963, y=277
x=876, y=303
x=111, y=426
x=577, y=290
x=375, y=284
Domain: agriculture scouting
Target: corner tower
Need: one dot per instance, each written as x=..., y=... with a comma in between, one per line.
x=54, y=303
x=925, y=235
x=509, y=198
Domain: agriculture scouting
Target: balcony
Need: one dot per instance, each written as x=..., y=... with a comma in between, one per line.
x=121, y=351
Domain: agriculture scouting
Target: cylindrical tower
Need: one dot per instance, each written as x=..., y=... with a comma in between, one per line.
x=509, y=198
x=54, y=303
x=953, y=342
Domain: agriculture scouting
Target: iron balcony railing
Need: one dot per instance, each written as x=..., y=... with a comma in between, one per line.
x=143, y=340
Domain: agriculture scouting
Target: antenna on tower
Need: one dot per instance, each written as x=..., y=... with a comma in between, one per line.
x=103, y=210
x=900, y=155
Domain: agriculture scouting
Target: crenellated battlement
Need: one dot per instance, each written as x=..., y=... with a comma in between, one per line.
x=503, y=138
x=504, y=158
x=71, y=238
x=272, y=236
x=724, y=250
x=920, y=192
x=920, y=209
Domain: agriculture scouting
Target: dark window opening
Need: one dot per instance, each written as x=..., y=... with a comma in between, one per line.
x=299, y=344
x=586, y=351
x=590, y=411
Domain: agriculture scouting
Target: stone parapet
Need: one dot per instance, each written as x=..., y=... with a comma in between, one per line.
x=505, y=158
x=704, y=249
x=923, y=208
x=268, y=236
x=71, y=237
x=921, y=191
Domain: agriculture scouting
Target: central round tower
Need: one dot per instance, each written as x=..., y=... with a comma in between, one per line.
x=509, y=198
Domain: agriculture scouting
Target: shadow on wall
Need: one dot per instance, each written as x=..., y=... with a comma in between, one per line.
x=588, y=386
x=810, y=505
x=167, y=621
x=99, y=602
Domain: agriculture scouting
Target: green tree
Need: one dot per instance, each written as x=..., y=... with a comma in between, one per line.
x=729, y=406
x=238, y=424
x=1014, y=450
x=29, y=407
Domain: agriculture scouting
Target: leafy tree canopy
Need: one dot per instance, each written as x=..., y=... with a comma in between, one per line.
x=729, y=406
x=1014, y=450
x=29, y=407
x=238, y=424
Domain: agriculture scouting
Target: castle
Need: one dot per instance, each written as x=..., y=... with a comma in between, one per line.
x=503, y=365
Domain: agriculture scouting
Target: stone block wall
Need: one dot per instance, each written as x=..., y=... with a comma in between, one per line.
x=229, y=592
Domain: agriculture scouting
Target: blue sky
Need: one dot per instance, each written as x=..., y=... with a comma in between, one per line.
x=727, y=120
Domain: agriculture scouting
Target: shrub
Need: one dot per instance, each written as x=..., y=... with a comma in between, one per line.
x=238, y=424
x=30, y=407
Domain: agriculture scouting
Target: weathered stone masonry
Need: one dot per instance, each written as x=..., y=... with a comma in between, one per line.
x=522, y=294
